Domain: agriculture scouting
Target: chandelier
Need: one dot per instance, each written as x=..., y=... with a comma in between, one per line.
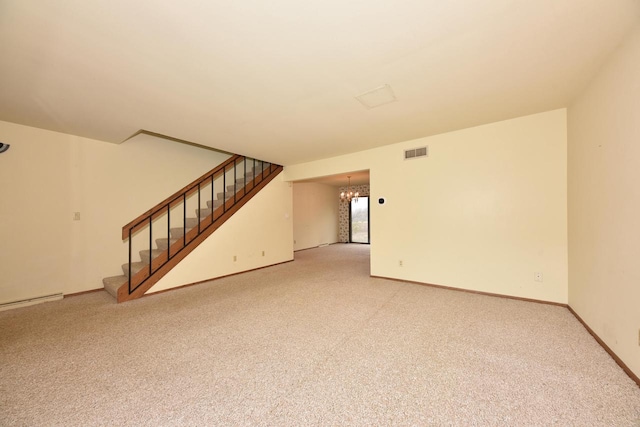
x=349, y=195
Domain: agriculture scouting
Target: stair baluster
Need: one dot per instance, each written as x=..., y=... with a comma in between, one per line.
x=175, y=247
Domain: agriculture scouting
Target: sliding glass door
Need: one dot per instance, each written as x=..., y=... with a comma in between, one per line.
x=359, y=220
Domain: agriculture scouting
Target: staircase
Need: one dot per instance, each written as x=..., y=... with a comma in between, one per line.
x=181, y=222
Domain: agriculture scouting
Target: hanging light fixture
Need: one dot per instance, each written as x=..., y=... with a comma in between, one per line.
x=349, y=195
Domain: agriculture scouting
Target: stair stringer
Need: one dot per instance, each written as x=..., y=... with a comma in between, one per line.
x=264, y=224
x=194, y=240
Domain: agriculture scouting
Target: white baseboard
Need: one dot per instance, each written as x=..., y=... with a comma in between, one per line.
x=31, y=301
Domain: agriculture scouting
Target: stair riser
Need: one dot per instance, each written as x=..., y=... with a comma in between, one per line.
x=135, y=267
x=251, y=170
x=112, y=292
x=144, y=255
x=177, y=233
x=237, y=187
x=203, y=213
x=219, y=196
x=111, y=284
x=216, y=204
x=144, y=276
x=163, y=243
x=192, y=222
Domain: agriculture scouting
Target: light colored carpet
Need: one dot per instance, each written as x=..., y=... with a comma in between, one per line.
x=312, y=342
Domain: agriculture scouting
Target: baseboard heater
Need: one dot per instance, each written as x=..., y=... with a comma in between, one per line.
x=30, y=301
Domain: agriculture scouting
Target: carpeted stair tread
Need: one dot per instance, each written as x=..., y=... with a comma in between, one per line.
x=203, y=213
x=113, y=283
x=216, y=203
x=177, y=232
x=191, y=222
x=249, y=176
x=237, y=187
x=220, y=195
x=135, y=267
x=233, y=183
x=163, y=243
x=144, y=254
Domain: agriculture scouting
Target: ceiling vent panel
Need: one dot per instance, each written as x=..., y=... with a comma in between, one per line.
x=377, y=97
x=415, y=153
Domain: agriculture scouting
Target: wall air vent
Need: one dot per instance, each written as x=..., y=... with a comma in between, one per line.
x=414, y=153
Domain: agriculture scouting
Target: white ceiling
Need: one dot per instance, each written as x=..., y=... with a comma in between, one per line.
x=277, y=80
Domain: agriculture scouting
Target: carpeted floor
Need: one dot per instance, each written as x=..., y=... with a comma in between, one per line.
x=312, y=342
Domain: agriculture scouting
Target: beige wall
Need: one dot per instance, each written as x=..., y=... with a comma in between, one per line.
x=47, y=176
x=263, y=224
x=484, y=211
x=315, y=215
x=604, y=203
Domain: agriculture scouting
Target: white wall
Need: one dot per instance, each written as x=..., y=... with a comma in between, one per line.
x=47, y=176
x=315, y=215
x=604, y=203
x=263, y=224
x=484, y=211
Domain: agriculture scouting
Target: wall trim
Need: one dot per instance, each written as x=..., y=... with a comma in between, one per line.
x=321, y=245
x=538, y=301
x=215, y=278
x=10, y=305
x=606, y=348
x=77, y=294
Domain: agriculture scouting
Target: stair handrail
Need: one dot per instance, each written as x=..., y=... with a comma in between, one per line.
x=186, y=189
x=146, y=219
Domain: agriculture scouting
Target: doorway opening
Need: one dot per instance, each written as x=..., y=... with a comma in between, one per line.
x=359, y=220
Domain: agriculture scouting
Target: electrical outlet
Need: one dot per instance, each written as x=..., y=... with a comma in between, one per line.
x=235, y=258
x=262, y=253
x=76, y=216
x=537, y=277
x=400, y=263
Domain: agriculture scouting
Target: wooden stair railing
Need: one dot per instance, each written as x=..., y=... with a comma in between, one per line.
x=248, y=177
x=157, y=209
